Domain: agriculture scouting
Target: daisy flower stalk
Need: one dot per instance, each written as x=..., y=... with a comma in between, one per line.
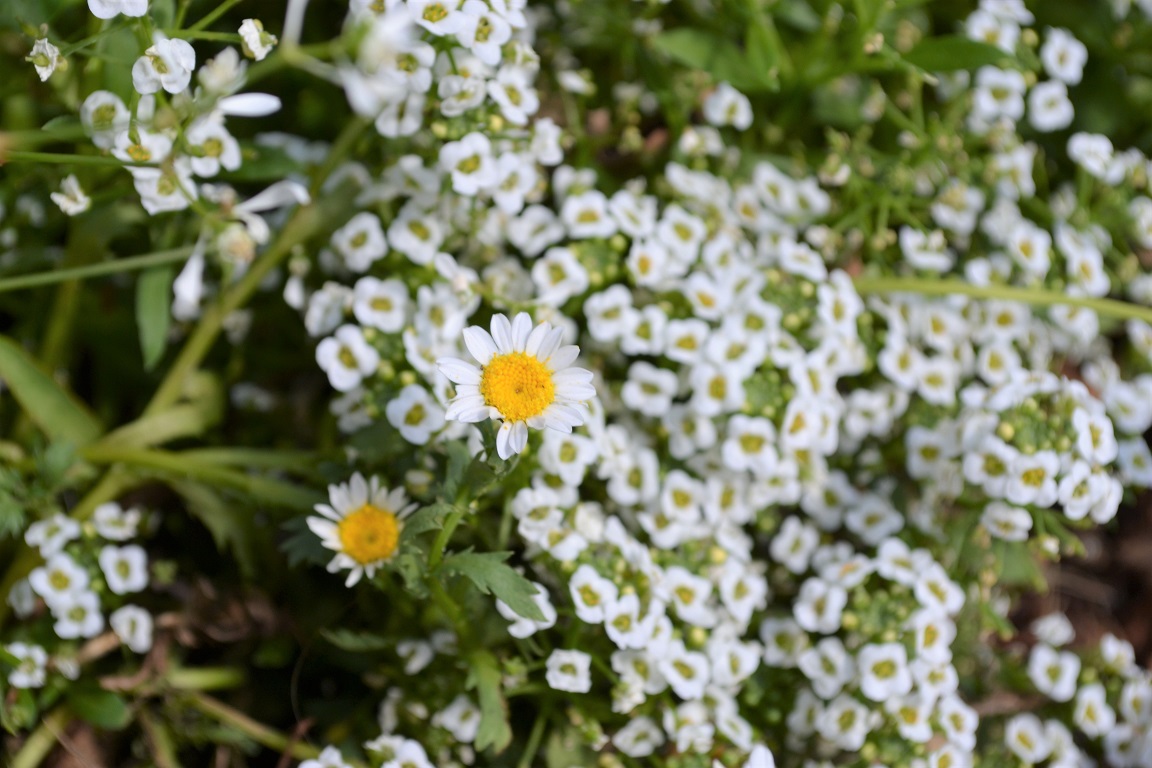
x=362, y=524
x=525, y=379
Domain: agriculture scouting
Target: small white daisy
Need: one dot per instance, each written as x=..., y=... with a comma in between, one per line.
x=362, y=524
x=525, y=379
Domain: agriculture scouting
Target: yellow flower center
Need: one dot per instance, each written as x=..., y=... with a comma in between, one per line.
x=517, y=385
x=369, y=534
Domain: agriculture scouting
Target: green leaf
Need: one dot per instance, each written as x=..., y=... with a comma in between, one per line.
x=357, y=642
x=953, y=52
x=798, y=14
x=50, y=406
x=263, y=163
x=715, y=55
x=154, y=312
x=425, y=519
x=230, y=531
x=459, y=457
x=763, y=57
x=302, y=546
x=484, y=675
x=491, y=575
x=101, y=708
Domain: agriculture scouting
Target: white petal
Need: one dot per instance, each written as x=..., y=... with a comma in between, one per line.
x=550, y=345
x=521, y=327
x=249, y=105
x=562, y=357
x=536, y=339
x=480, y=344
x=278, y=195
x=502, y=333
x=459, y=372
x=519, y=436
x=502, y=435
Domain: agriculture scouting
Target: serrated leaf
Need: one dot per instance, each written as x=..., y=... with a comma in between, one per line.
x=357, y=642
x=491, y=575
x=425, y=519
x=952, y=52
x=154, y=312
x=49, y=405
x=485, y=677
x=101, y=708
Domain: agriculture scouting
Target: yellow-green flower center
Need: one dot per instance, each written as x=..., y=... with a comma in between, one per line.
x=517, y=385
x=369, y=534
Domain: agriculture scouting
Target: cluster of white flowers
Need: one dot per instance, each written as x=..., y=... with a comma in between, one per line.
x=85, y=567
x=1109, y=703
x=743, y=385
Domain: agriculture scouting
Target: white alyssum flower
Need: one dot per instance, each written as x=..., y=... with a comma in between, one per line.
x=257, y=43
x=727, y=106
x=1053, y=672
x=106, y=9
x=31, y=668
x=569, y=670
x=133, y=625
x=525, y=379
x=329, y=757
x=45, y=57
x=1063, y=56
x=78, y=614
x=361, y=241
x=361, y=523
x=167, y=64
x=415, y=414
x=883, y=671
x=347, y=358
x=71, y=198
x=125, y=568
x=380, y=304
x=461, y=718
x=470, y=163
x=104, y=116
x=58, y=579
x=50, y=536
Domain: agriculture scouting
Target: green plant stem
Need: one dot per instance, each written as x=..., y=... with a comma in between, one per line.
x=113, y=267
x=1035, y=296
x=258, y=732
x=188, y=34
x=301, y=226
x=440, y=543
x=214, y=14
x=42, y=740
x=163, y=750
x=205, y=678
x=60, y=158
x=178, y=465
x=534, y=738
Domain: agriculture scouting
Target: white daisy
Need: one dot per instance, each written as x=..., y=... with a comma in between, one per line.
x=525, y=379
x=362, y=524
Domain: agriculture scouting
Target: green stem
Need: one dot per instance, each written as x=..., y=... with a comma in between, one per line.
x=258, y=732
x=19, y=155
x=163, y=749
x=113, y=267
x=446, y=604
x=205, y=678
x=1035, y=296
x=303, y=224
x=440, y=544
x=534, y=738
x=42, y=740
x=214, y=14
x=188, y=34
x=180, y=466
